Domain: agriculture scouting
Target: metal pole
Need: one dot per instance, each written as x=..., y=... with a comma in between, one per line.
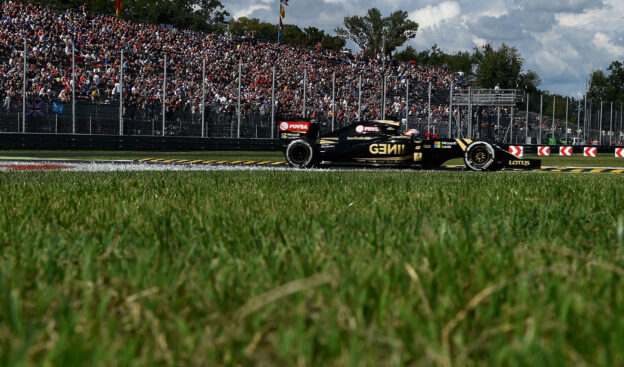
x=164, y=97
x=429, y=112
x=539, y=140
x=56, y=125
x=526, y=123
x=497, y=121
x=383, y=107
x=203, y=105
x=73, y=88
x=273, y=105
x=121, y=89
x=600, y=125
x=566, y=122
x=23, y=93
x=578, y=119
x=333, y=100
x=305, y=83
x=611, y=124
x=240, y=69
x=585, y=117
x=89, y=124
x=360, y=99
x=450, y=134
x=469, y=113
x=511, y=125
x=553, y=122
x=406, y=104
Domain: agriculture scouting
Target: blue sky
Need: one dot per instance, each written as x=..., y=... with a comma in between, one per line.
x=562, y=40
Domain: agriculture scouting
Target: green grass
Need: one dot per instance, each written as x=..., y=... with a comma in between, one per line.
x=309, y=268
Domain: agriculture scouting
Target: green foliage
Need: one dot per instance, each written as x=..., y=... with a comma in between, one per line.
x=367, y=31
x=459, y=61
x=502, y=66
x=609, y=85
x=292, y=34
x=311, y=268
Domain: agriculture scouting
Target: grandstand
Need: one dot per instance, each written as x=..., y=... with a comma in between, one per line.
x=51, y=37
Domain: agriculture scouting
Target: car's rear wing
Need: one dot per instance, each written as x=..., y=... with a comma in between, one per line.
x=291, y=130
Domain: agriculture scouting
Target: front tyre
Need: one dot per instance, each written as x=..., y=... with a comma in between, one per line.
x=479, y=156
x=301, y=154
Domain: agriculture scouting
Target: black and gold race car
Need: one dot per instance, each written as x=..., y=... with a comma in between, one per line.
x=382, y=144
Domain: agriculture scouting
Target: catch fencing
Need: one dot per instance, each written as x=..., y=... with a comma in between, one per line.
x=134, y=97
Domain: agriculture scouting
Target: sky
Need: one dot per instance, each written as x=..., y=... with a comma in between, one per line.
x=562, y=40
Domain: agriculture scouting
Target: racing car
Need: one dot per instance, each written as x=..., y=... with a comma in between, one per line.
x=381, y=143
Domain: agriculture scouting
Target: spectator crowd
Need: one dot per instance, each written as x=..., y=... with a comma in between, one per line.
x=100, y=39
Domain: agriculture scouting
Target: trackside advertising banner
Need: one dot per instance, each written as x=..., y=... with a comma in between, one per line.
x=294, y=126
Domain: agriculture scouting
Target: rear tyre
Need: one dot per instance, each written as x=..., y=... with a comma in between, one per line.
x=301, y=154
x=479, y=156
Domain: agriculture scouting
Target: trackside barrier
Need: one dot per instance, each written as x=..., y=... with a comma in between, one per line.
x=543, y=151
x=590, y=152
x=516, y=150
x=565, y=151
x=619, y=152
x=132, y=143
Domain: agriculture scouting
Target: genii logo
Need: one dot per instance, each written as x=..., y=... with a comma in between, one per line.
x=387, y=149
x=300, y=127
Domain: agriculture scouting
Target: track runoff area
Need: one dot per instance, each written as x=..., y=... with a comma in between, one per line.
x=160, y=164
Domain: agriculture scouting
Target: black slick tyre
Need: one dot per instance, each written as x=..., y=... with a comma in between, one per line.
x=480, y=156
x=301, y=154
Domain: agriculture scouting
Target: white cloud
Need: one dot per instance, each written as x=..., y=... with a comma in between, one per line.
x=562, y=40
x=603, y=42
x=432, y=15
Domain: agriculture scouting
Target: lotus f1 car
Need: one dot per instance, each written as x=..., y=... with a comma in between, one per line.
x=381, y=144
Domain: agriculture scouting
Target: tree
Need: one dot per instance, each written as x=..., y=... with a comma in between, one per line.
x=367, y=31
x=529, y=81
x=598, y=86
x=502, y=66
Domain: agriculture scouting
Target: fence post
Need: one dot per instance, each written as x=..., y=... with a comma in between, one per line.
x=305, y=82
x=360, y=99
x=429, y=112
x=23, y=93
x=407, y=104
x=333, y=100
x=526, y=123
x=511, y=126
x=541, y=120
x=164, y=96
x=611, y=124
x=273, y=105
x=203, y=105
x=498, y=121
x=73, y=88
x=469, y=113
x=450, y=133
x=578, y=118
x=240, y=67
x=121, y=90
x=600, y=125
x=383, y=107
